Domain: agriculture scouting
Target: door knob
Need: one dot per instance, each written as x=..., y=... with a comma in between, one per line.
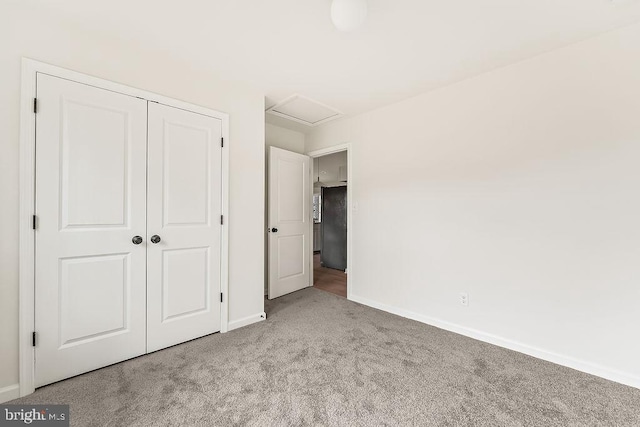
x=274, y=230
x=155, y=239
x=136, y=240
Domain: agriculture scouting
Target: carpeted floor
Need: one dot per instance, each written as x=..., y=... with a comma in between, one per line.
x=323, y=360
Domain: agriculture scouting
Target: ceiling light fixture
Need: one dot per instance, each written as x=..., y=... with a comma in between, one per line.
x=348, y=15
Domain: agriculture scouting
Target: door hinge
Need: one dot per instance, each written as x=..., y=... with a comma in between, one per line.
x=33, y=339
x=221, y=299
x=35, y=105
x=221, y=219
x=222, y=142
x=34, y=222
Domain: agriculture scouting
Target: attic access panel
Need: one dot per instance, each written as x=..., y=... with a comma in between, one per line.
x=304, y=110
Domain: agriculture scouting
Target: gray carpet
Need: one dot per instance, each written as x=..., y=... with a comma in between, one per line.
x=322, y=360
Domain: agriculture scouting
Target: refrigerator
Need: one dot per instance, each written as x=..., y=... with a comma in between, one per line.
x=334, y=228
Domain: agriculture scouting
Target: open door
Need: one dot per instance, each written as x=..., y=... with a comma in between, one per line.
x=289, y=227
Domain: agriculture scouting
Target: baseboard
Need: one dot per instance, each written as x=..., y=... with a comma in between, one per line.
x=9, y=393
x=549, y=356
x=245, y=321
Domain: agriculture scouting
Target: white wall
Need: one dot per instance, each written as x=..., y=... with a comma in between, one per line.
x=287, y=139
x=329, y=167
x=28, y=32
x=520, y=187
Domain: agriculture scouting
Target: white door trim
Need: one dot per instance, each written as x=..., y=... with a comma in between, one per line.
x=26, y=320
x=350, y=203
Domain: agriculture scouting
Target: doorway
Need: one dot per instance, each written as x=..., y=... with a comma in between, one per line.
x=292, y=221
x=330, y=221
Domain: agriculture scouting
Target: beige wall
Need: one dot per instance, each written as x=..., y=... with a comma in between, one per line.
x=30, y=33
x=521, y=187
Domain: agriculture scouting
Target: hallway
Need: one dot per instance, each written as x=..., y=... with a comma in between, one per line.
x=328, y=279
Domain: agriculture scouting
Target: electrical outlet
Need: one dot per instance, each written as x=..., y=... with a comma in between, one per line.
x=464, y=298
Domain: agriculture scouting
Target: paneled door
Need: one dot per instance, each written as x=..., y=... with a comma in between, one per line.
x=289, y=222
x=90, y=247
x=184, y=226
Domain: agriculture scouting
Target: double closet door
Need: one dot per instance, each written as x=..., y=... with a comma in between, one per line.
x=128, y=233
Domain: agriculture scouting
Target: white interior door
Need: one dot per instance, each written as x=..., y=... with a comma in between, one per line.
x=289, y=218
x=184, y=226
x=90, y=203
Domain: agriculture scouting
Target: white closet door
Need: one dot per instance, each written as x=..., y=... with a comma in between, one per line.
x=90, y=203
x=289, y=216
x=184, y=209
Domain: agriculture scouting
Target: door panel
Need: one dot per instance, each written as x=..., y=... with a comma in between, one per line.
x=187, y=175
x=291, y=255
x=93, y=297
x=89, y=198
x=292, y=174
x=184, y=290
x=90, y=202
x=290, y=215
x=334, y=228
x=184, y=208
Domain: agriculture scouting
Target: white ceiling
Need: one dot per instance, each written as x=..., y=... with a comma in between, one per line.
x=406, y=46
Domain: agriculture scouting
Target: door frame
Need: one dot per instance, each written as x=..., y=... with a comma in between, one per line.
x=26, y=301
x=350, y=208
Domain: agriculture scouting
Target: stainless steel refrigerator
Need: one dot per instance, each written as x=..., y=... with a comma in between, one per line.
x=334, y=228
